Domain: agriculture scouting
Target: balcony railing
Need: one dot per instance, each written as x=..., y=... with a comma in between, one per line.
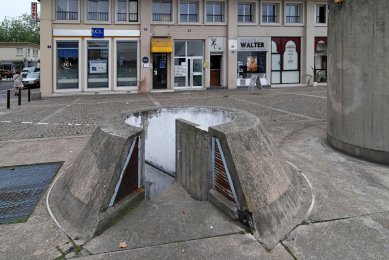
x=189, y=18
x=269, y=18
x=161, y=17
x=62, y=15
x=293, y=19
x=215, y=18
x=245, y=18
x=132, y=17
x=97, y=16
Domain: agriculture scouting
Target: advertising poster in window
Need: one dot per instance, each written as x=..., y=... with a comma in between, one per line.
x=252, y=64
x=290, y=56
x=97, y=66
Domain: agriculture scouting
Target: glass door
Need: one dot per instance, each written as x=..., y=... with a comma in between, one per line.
x=159, y=70
x=196, y=72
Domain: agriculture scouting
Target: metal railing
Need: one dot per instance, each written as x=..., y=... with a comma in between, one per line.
x=215, y=18
x=269, y=18
x=62, y=15
x=245, y=18
x=293, y=19
x=132, y=17
x=161, y=17
x=189, y=17
x=97, y=16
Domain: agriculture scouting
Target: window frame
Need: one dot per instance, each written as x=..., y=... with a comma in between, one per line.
x=199, y=15
x=21, y=53
x=224, y=12
x=253, y=10
x=172, y=12
x=301, y=13
x=326, y=12
x=55, y=20
x=127, y=13
x=278, y=13
x=86, y=11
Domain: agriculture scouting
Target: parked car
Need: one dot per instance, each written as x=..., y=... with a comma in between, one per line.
x=32, y=80
x=27, y=70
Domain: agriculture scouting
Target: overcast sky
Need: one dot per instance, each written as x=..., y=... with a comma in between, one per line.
x=13, y=8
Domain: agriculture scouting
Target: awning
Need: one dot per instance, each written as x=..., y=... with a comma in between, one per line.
x=159, y=45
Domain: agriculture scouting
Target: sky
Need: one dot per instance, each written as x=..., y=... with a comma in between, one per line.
x=15, y=8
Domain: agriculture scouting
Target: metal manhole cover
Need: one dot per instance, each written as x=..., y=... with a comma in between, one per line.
x=21, y=188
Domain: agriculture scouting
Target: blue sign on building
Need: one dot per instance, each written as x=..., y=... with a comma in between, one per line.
x=97, y=32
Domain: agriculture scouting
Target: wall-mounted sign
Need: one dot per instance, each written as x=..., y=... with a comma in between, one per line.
x=232, y=45
x=97, y=66
x=145, y=59
x=97, y=32
x=216, y=44
x=253, y=43
x=34, y=12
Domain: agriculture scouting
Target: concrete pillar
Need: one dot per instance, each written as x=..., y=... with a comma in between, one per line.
x=145, y=11
x=46, y=48
x=232, y=33
x=308, y=42
x=358, y=90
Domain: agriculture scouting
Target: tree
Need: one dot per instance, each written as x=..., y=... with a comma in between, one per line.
x=19, y=29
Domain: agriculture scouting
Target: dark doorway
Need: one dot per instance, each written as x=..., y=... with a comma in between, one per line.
x=216, y=61
x=159, y=70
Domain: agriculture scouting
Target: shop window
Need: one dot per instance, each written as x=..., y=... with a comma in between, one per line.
x=67, y=10
x=127, y=64
x=270, y=12
x=162, y=11
x=321, y=14
x=127, y=11
x=293, y=13
x=285, y=60
x=98, y=10
x=67, y=66
x=249, y=63
x=246, y=12
x=98, y=65
x=215, y=12
x=321, y=59
x=189, y=11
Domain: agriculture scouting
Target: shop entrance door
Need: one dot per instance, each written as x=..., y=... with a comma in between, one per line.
x=195, y=72
x=215, y=70
x=159, y=70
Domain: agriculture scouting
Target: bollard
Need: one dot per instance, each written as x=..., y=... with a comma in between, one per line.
x=20, y=97
x=29, y=95
x=8, y=98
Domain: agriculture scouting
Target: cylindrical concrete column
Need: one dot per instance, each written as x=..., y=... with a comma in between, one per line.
x=358, y=75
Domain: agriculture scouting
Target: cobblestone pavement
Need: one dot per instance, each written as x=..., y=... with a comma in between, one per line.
x=80, y=115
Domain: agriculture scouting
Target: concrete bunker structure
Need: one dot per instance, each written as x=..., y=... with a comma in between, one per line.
x=220, y=155
x=358, y=73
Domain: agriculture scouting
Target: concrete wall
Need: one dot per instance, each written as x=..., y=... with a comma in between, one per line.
x=193, y=158
x=358, y=90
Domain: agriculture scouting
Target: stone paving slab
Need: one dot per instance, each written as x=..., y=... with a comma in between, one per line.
x=235, y=246
x=355, y=238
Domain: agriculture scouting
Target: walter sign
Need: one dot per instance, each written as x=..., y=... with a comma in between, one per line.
x=253, y=44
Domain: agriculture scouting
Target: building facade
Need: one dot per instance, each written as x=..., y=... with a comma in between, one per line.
x=17, y=55
x=162, y=45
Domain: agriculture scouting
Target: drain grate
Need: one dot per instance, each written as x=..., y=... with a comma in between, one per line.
x=21, y=188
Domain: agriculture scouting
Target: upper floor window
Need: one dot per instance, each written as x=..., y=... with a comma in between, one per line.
x=127, y=10
x=293, y=13
x=321, y=13
x=98, y=10
x=246, y=12
x=67, y=10
x=19, y=51
x=189, y=11
x=28, y=52
x=162, y=10
x=215, y=12
x=270, y=12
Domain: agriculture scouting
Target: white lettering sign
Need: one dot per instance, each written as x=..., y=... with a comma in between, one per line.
x=290, y=56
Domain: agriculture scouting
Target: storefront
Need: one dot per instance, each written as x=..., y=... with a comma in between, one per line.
x=188, y=64
x=161, y=48
x=285, y=60
x=96, y=60
x=216, y=46
x=252, y=58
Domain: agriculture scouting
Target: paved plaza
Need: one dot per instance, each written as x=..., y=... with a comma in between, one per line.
x=348, y=218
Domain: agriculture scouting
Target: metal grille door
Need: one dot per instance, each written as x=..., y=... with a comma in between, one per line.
x=222, y=182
